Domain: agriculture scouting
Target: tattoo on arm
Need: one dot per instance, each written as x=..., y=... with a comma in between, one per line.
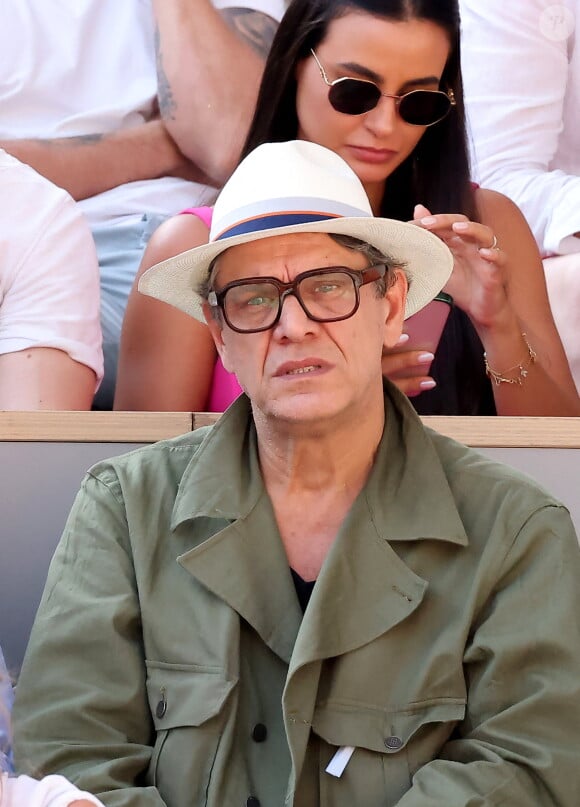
x=75, y=140
x=166, y=101
x=254, y=27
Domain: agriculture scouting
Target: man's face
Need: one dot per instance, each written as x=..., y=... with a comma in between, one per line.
x=301, y=371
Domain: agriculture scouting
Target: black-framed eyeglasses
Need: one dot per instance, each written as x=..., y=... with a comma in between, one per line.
x=355, y=96
x=331, y=294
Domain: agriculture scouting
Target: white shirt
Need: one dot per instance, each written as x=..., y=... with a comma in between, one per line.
x=49, y=274
x=521, y=68
x=52, y=791
x=78, y=67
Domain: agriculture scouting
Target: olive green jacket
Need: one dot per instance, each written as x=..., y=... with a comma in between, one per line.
x=170, y=663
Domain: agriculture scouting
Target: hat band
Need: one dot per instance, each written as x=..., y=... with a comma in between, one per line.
x=273, y=221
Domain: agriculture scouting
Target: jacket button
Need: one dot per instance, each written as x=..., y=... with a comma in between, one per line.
x=393, y=743
x=252, y=801
x=259, y=733
x=161, y=708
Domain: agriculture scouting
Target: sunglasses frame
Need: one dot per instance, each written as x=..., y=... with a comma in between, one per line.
x=360, y=277
x=397, y=98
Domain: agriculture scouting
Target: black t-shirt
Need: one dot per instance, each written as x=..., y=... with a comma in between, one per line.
x=303, y=589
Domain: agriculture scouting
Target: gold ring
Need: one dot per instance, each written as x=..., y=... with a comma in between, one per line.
x=494, y=243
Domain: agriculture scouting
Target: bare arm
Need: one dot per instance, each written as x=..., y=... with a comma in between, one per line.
x=549, y=388
x=82, y=803
x=166, y=357
x=209, y=65
x=91, y=164
x=50, y=350
x=504, y=294
x=44, y=378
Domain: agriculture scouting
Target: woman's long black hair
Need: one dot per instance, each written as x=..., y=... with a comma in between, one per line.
x=436, y=174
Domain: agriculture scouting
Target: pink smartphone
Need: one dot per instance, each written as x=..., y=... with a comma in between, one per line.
x=424, y=329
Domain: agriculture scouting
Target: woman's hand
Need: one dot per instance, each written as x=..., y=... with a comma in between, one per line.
x=478, y=282
x=408, y=368
x=504, y=295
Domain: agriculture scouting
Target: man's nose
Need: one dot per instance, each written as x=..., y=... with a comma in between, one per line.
x=294, y=322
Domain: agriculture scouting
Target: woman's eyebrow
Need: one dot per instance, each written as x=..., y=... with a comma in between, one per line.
x=365, y=72
x=360, y=70
x=425, y=81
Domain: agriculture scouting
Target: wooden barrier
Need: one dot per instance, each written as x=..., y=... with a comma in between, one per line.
x=147, y=427
x=93, y=427
x=43, y=456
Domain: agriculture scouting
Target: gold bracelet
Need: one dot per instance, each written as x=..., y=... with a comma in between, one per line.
x=521, y=368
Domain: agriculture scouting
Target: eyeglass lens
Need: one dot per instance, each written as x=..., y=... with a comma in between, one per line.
x=325, y=297
x=418, y=107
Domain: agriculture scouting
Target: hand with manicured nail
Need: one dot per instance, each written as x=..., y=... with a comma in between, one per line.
x=408, y=368
x=478, y=283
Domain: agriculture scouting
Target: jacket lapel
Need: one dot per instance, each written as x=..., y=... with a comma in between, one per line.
x=246, y=566
x=364, y=588
x=237, y=552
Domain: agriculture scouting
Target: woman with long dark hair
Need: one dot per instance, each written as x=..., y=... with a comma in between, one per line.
x=380, y=84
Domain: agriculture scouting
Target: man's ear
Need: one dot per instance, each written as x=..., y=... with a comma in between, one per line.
x=396, y=296
x=216, y=330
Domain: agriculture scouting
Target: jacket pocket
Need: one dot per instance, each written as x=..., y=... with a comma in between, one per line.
x=188, y=709
x=387, y=746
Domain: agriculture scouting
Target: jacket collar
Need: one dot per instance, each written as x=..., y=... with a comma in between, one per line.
x=407, y=497
x=223, y=478
x=408, y=493
x=242, y=561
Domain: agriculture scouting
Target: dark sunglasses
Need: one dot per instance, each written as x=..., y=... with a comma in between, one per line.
x=355, y=96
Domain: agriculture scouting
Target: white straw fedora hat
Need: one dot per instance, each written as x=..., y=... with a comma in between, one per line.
x=294, y=187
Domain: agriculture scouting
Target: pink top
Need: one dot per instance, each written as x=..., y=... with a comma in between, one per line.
x=224, y=386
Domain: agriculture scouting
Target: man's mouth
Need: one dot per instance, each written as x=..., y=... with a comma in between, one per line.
x=301, y=370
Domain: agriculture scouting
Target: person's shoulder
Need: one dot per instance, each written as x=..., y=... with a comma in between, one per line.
x=163, y=461
x=176, y=234
x=509, y=518
x=34, y=208
x=43, y=227
x=493, y=205
x=21, y=182
x=485, y=488
x=509, y=224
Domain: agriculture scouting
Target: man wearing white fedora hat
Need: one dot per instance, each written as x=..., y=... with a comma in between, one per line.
x=316, y=601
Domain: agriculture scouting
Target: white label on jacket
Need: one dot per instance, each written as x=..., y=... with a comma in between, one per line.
x=340, y=760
